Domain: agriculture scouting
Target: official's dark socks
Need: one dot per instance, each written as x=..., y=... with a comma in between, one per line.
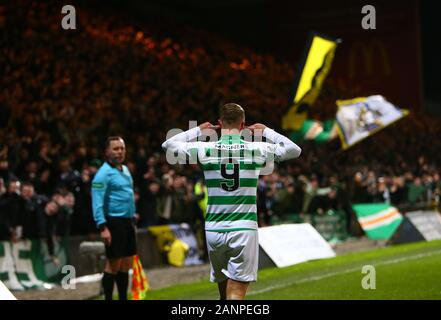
x=108, y=282
x=122, y=283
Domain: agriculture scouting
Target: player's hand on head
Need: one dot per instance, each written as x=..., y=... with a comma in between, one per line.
x=208, y=125
x=257, y=128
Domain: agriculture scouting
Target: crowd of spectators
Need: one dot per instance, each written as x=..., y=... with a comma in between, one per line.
x=62, y=92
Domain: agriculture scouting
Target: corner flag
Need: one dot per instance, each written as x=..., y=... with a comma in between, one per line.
x=140, y=285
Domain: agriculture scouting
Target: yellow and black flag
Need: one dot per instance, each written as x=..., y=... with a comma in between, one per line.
x=313, y=70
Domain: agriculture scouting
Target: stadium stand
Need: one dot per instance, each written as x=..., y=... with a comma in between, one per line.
x=62, y=93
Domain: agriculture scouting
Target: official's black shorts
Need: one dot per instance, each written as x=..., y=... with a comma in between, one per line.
x=123, y=238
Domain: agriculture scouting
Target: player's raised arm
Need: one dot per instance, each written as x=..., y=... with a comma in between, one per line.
x=183, y=142
x=284, y=148
x=179, y=141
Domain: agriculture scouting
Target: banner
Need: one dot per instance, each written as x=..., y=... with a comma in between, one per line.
x=178, y=242
x=316, y=131
x=360, y=118
x=26, y=264
x=312, y=73
x=289, y=244
x=428, y=223
x=378, y=220
x=184, y=233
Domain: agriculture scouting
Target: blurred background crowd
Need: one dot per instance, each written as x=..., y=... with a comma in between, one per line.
x=63, y=93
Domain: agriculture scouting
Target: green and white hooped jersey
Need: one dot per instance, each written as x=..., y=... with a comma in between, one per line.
x=231, y=168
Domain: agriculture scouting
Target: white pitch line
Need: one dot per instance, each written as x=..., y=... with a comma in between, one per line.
x=332, y=274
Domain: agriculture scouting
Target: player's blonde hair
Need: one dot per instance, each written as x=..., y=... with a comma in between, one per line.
x=232, y=114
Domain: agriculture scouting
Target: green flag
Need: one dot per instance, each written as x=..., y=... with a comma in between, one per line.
x=378, y=220
x=316, y=131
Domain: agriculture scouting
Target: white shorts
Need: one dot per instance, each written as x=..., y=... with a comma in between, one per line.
x=233, y=255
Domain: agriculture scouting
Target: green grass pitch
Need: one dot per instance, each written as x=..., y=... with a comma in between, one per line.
x=410, y=271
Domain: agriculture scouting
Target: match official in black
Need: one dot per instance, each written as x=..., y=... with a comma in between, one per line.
x=113, y=203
